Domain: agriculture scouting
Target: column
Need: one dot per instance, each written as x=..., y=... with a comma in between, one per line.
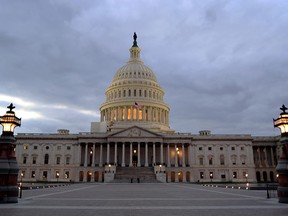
x=108, y=154
x=93, y=156
x=146, y=154
x=125, y=113
x=100, y=157
x=123, y=154
x=86, y=154
x=130, y=163
x=272, y=157
x=168, y=156
x=259, y=157
x=265, y=155
x=154, y=155
x=138, y=158
x=115, y=155
x=161, y=153
x=79, y=154
x=190, y=155
x=176, y=158
x=183, y=157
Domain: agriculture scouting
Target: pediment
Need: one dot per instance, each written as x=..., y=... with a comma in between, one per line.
x=135, y=131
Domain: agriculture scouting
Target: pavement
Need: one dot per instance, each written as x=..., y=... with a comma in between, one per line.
x=143, y=199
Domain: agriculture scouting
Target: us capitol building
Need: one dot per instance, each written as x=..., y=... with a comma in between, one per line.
x=134, y=142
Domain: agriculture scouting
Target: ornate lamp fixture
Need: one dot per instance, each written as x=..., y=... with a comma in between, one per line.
x=9, y=121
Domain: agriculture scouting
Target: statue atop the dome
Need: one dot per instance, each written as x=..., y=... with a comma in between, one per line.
x=135, y=40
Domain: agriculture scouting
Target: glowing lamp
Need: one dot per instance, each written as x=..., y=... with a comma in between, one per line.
x=9, y=121
x=282, y=121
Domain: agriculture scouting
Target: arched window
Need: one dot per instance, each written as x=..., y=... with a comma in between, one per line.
x=46, y=159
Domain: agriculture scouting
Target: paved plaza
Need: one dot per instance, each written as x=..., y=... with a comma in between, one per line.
x=143, y=199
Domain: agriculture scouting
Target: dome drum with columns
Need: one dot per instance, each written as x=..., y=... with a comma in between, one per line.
x=135, y=98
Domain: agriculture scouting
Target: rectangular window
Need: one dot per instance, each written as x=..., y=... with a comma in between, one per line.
x=58, y=148
x=201, y=161
x=25, y=147
x=124, y=93
x=135, y=92
x=34, y=160
x=234, y=175
x=67, y=175
x=233, y=148
x=33, y=174
x=222, y=160
x=200, y=148
x=211, y=175
x=209, y=148
x=67, y=160
x=68, y=147
x=24, y=160
x=35, y=147
x=210, y=161
x=201, y=175
x=45, y=174
x=58, y=160
x=140, y=93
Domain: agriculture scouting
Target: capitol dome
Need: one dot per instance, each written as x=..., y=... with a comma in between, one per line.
x=135, y=97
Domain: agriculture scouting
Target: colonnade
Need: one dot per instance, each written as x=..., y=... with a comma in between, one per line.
x=131, y=113
x=134, y=154
x=265, y=156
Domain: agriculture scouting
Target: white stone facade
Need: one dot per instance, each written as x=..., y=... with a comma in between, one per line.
x=134, y=131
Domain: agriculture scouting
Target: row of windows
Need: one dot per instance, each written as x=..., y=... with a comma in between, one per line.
x=35, y=147
x=134, y=93
x=135, y=73
x=221, y=148
x=223, y=176
x=45, y=174
x=46, y=160
x=222, y=160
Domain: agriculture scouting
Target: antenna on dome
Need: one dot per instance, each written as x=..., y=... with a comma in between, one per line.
x=135, y=40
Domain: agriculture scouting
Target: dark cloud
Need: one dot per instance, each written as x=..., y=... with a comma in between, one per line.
x=221, y=63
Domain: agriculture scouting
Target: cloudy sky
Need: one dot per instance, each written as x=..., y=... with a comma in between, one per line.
x=222, y=63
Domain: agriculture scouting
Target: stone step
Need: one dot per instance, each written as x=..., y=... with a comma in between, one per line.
x=141, y=174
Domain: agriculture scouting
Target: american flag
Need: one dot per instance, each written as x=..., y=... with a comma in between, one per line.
x=138, y=106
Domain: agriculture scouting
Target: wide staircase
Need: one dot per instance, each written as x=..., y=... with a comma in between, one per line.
x=135, y=175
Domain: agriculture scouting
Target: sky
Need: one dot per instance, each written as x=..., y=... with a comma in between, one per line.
x=223, y=64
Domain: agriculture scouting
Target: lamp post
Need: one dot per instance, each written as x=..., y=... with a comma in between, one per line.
x=247, y=184
x=160, y=167
x=8, y=164
x=109, y=168
x=21, y=185
x=282, y=167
